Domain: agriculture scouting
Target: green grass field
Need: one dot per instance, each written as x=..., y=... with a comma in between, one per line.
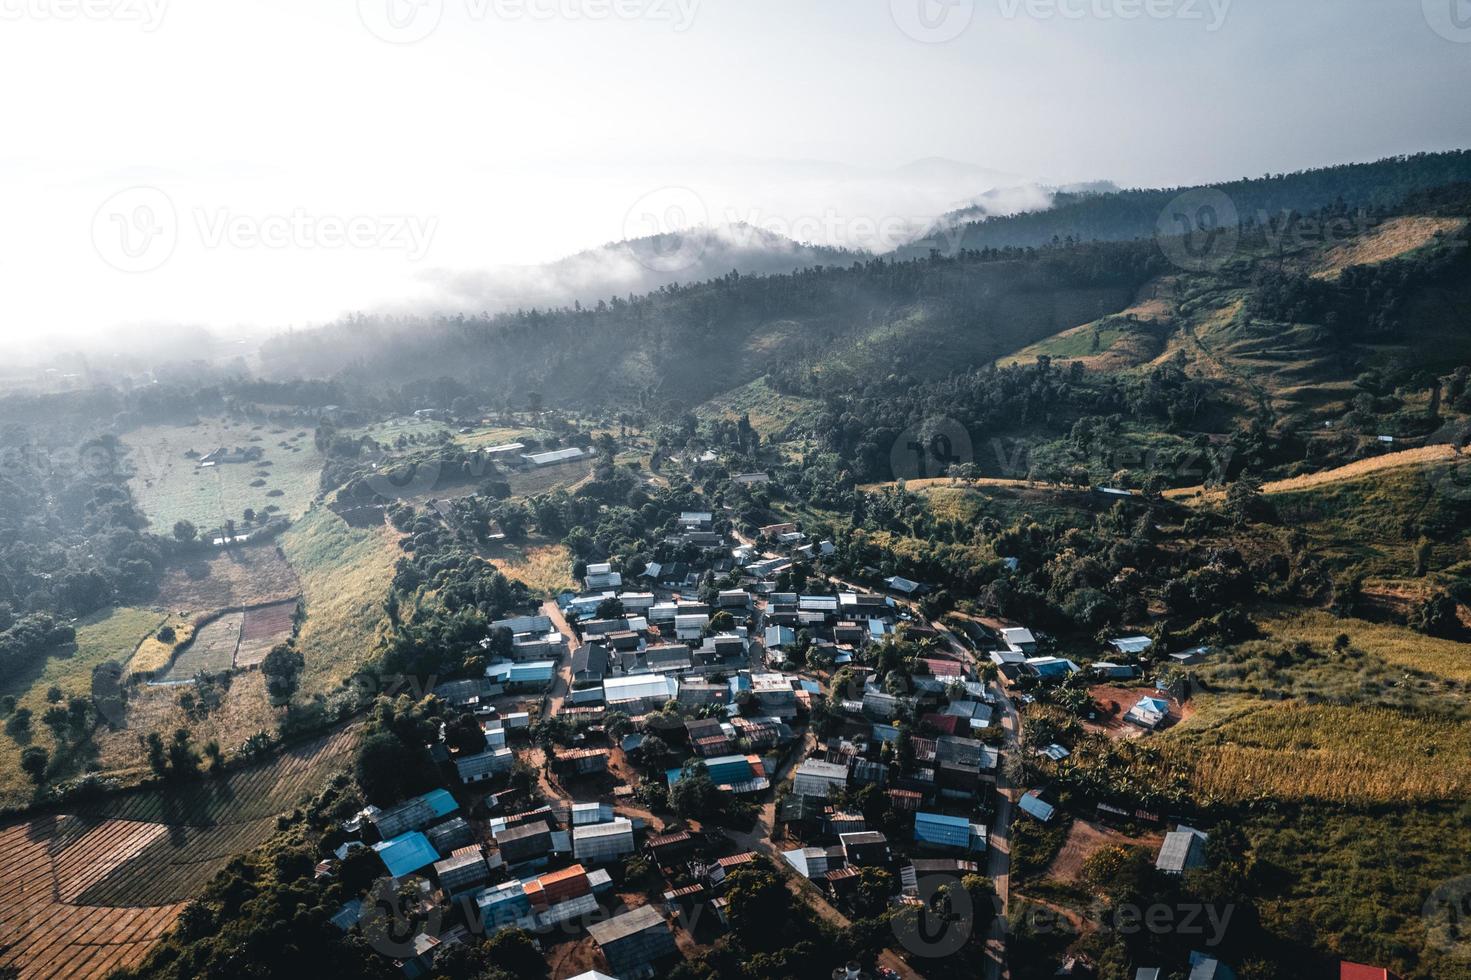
x=110, y=635
x=170, y=486
x=345, y=574
x=770, y=411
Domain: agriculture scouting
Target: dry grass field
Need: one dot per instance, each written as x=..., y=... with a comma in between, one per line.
x=1239, y=749
x=345, y=574
x=546, y=569
x=1396, y=645
x=1395, y=237
x=153, y=654
x=212, y=650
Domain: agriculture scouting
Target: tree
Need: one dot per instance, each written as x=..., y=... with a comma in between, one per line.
x=18, y=725
x=1436, y=616
x=282, y=668
x=611, y=608
x=157, y=759
x=183, y=761
x=387, y=770
x=464, y=734
x=167, y=635
x=760, y=908
x=185, y=532
x=33, y=761
x=215, y=756
x=694, y=796
x=514, y=951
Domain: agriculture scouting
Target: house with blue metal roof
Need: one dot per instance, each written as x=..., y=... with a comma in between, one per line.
x=957, y=833
x=406, y=853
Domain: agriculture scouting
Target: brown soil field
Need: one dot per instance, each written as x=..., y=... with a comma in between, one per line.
x=86, y=893
x=262, y=629
x=229, y=578
x=1083, y=840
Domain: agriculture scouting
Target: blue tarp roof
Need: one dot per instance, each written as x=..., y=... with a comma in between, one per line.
x=810, y=686
x=406, y=853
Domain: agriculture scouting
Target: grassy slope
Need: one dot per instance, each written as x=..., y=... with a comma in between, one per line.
x=545, y=569
x=110, y=635
x=345, y=573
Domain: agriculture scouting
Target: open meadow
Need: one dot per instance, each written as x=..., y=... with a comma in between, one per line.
x=170, y=485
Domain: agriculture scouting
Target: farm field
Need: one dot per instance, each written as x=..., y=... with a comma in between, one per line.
x=153, y=653
x=1326, y=753
x=228, y=578
x=263, y=628
x=107, y=636
x=211, y=651
x=545, y=569
x=89, y=892
x=170, y=487
x=529, y=483
x=345, y=572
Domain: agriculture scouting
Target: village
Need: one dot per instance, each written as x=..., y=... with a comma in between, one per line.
x=744, y=678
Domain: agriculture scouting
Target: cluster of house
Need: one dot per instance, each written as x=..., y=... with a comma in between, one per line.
x=539, y=869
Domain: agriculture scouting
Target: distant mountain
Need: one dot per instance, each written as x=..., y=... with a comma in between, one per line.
x=635, y=267
x=1085, y=215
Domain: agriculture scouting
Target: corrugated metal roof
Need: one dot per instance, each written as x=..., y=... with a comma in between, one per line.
x=406, y=853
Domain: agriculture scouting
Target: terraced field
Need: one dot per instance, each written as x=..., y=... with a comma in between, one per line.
x=91, y=891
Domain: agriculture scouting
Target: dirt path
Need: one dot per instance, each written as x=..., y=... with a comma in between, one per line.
x=562, y=684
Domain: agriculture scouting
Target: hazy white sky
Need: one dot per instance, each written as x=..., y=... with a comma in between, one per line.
x=258, y=163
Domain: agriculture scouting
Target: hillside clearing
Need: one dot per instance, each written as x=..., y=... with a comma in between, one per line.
x=170, y=486
x=112, y=635
x=345, y=573
x=545, y=569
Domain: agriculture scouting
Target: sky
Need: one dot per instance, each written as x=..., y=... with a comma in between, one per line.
x=259, y=164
